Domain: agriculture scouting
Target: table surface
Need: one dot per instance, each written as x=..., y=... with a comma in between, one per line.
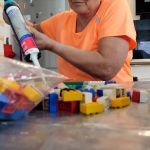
x=121, y=129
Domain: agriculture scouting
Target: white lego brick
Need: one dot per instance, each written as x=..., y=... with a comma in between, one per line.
x=105, y=100
x=87, y=97
x=111, y=93
x=144, y=96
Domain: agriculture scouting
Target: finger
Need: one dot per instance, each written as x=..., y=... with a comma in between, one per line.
x=5, y=18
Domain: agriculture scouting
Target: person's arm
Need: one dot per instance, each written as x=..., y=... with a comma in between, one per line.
x=103, y=63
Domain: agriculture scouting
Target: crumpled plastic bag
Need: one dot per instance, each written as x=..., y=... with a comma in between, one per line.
x=23, y=86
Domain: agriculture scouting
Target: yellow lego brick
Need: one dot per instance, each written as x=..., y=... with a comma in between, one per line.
x=5, y=83
x=72, y=95
x=120, y=102
x=91, y=108
x=32, y=94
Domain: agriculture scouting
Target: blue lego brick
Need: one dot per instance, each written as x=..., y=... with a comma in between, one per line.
x=3, y=101
x=17, y=115
x=53, y=100
x=129, y=94
x=3, y=116
x=78, y=87
x=99, y=93
x=110, y=82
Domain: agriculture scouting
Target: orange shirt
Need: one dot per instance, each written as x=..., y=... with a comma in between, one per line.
x=112, y=19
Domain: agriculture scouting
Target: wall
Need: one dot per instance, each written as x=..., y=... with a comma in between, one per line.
x=40, y=10
x=132, y=4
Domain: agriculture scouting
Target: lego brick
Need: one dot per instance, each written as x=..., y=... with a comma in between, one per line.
x=110, y=82
x=65, y=89
x=53, y=100
x=3, y=101
x=99, y=92
x=144, y=96
x=120, y=102
x=94, y=99
x=69, y=107
x=5, y=83
x=105, y=100
x=91, y=108
x=87, y=97
x=73, y=95
x=128, y=93
x=136, y=96
x=24, y=104
x=111, y=93
x=120, y=92
x=18, y=114
x=32, y=94
x=73, y=85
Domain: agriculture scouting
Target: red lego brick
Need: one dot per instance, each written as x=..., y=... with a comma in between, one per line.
x=136, y=96
x=94, y=99
x=70, y=107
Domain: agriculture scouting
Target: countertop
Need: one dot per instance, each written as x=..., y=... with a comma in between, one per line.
x=121, y=129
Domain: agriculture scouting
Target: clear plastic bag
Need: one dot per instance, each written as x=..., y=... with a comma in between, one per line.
x=23, y=86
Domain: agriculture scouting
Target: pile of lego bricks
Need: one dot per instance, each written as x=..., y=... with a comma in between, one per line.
x=92, y=97
x=16, y=99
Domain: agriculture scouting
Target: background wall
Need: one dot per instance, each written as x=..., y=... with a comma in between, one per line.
x=132, y=4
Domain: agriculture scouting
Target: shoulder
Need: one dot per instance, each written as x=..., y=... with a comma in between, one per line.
x=107, y=5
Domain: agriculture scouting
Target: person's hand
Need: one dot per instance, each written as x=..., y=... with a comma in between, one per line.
x=42, y=41
x=5, y=18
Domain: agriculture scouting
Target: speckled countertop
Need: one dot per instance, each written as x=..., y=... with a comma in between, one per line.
x=122, y=129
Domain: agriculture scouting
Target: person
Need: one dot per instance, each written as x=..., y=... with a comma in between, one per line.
x=93, y=41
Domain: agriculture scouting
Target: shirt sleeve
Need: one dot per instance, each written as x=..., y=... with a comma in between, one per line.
x=50, y=26
x=117, y=21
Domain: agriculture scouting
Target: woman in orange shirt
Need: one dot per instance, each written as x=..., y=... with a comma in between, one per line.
x=93, y=41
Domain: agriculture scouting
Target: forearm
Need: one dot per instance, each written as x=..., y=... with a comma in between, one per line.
x=91, y=62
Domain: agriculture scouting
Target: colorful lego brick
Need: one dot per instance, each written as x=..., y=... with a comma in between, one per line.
x=105, y=100
x=3, y=101
x=18, y=114
x=5, y=83
x=136, y=96
x=65, y=89
x=73, y=95
x=99, y=92
x=87, y=97
x=120, y=102
x=111, y=93
x=73, y=85
x=32, y=94
x=120, y=92
x=3, y=116
x=144, y=96
x=12, y=95
x=53, y=100
x=128, y=93
x=140, y=96
x=110, y=82
x=94, y=99
x=69, y=107
x=24, y=104
x=91, y=108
